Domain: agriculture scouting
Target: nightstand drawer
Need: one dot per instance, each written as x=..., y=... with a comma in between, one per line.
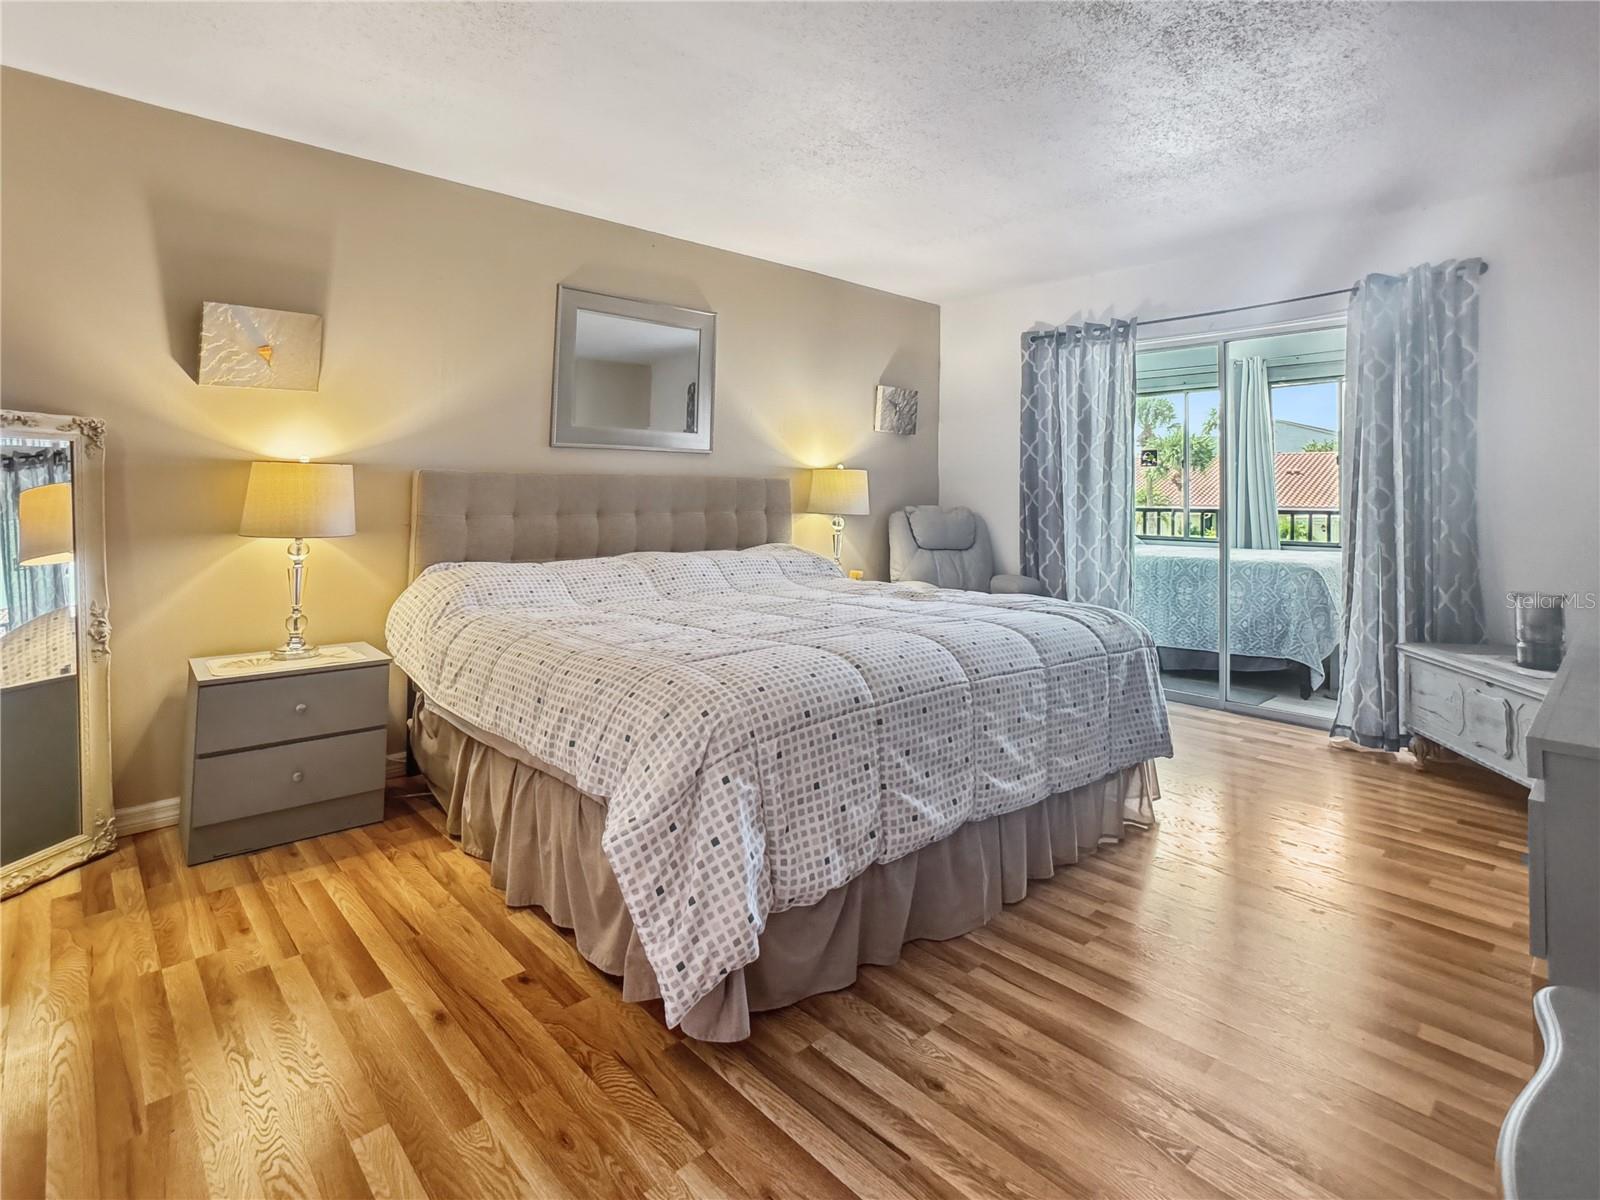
x=259, y=712
x=230, y=786
x=1436, y=702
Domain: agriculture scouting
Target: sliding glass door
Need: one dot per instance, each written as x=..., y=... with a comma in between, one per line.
x=1177, y=416
x=1237, y=519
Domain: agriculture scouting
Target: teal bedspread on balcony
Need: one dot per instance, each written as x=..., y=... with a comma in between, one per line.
x=1281, y=603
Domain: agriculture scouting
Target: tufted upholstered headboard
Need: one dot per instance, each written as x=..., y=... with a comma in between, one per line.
x=484, y=516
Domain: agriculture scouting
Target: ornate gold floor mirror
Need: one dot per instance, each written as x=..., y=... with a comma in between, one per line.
x=55, y=638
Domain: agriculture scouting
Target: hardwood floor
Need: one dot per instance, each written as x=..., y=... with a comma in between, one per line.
x=1310, y=979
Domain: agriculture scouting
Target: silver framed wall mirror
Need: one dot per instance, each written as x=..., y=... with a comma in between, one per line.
x=632, y=375
x=55, y=640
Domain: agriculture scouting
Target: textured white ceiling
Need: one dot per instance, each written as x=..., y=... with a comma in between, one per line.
x=929, y=149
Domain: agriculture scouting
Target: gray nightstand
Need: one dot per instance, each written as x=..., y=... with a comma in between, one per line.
x=279, y=751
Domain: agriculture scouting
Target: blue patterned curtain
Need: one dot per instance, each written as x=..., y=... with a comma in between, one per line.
x=1408, y=475
x=1252, y=459
x=1077, y=462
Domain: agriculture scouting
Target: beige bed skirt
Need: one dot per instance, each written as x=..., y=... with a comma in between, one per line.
x=541, y=838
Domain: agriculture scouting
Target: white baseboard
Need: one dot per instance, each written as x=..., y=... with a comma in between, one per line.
x=396, y=767
x=157, y=814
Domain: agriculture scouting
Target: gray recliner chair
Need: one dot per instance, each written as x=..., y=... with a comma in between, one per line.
x=949, y=548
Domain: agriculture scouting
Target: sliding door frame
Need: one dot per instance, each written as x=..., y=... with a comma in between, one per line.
x=1221, y=338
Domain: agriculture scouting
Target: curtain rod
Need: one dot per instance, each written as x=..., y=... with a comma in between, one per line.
x=1222, y=312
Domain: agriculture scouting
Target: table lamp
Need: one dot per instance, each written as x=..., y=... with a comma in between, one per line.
x=44, y=525
x=839, y=493
x=298, y=500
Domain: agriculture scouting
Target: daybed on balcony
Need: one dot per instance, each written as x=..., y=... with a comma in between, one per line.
x=1283, y=607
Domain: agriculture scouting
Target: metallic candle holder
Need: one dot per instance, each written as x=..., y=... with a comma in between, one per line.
x=1541, y=630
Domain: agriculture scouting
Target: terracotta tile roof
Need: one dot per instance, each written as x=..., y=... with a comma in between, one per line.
x=1306, y=479
x=1165, y=489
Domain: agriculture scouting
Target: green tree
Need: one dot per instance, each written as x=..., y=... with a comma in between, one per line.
x=1324, y=446
x=1156, y=420
x=1152, y=414
x=1159, y=429
x=1203, y=444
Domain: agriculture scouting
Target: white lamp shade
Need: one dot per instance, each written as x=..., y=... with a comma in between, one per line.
x=839, y=492
x=299, y=500
x=44, y=520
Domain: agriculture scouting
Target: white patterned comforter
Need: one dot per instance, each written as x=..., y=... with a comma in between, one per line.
x=43, y=648
x=763, y=729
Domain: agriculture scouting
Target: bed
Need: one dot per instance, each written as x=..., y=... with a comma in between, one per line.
x=734, y=774
x=44, y=648
x=1283, y=607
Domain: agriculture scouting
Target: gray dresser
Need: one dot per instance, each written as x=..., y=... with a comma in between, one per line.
x=1564, y=824
x=283, y=751
x=1473, y=701
x=1547, y=1148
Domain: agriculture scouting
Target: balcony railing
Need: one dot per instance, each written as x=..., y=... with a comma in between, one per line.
x=1296, y=526
x=1308, y=526
x=1156, y=522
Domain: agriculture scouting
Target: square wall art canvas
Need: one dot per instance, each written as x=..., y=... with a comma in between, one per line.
x=897, y=411
x=259, y=347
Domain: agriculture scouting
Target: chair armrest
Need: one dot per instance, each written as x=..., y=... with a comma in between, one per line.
x=1024, y=584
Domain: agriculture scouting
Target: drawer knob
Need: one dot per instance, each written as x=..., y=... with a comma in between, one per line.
x=298, y=776
x=300, y=708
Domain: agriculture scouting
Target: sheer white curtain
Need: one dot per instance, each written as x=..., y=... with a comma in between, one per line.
x=1253, y=458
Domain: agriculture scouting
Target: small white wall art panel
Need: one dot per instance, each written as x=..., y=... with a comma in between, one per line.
x=259, y=347
x=896, y=411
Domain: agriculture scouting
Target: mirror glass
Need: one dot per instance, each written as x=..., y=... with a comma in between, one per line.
x=636, y=374
x=39, y=668
x=631, y=374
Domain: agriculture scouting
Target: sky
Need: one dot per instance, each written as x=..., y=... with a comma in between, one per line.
x=1308, y=403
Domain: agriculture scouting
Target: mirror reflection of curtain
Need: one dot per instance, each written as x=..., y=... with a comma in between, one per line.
x=1408, y=479
x=30, y=591
x=1253, y=459
x=1077, y=462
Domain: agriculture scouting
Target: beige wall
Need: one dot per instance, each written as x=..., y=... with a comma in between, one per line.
x=118, y=219
x=611, y=394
